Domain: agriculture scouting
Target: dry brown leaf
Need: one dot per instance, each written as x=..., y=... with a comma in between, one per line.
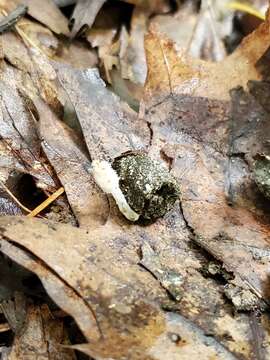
x=214, y=24
x=109, y=126
x=74, y=83
x=61, y=145
x=107, y=50
x=102, y=35
x=20, y=145
x=211, y=134
x=171, y=71
x=106, y=24
x=115, y=295
x=32, y=73
x=29, y=53
x=206, y=41
x=187, y=127
x=45, y=81
x=64, y=296
x=41, y=337
x=170, y=345
x=101, y=267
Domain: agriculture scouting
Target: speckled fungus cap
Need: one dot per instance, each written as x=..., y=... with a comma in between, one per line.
x=148, y=187
x=262, y=174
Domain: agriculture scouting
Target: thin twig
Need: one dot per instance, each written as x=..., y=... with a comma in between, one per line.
x=24, y=37
x=14, y=197
x=246, y=8
x=4, y=327
x=46, y=203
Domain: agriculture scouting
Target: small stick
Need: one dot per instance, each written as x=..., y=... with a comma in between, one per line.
x=24, y=37
x=4, y=327
x=12, y=18
x=46, y=203
x=235, y=5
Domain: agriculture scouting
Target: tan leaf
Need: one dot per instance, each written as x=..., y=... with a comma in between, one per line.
x=46, y=12
x=169, y=71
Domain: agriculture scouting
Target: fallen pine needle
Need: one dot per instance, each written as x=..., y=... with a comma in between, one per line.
x=235, y=5
x=46, y=203
x=14, y=197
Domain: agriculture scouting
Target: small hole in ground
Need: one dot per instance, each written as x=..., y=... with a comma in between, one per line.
x=28, y=193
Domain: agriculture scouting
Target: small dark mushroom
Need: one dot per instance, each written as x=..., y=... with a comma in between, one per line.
x=148, y=187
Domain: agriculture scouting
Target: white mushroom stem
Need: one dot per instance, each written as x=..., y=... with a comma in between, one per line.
x=107, y=179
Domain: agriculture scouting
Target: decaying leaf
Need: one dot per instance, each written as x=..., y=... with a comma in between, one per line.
x=169, y=280
x=61, y=145
x=15, y=312
x=41, y=337
x=8, y=206
x=15, y=52
x=121, y=295
x=169, y=71
x=63, y=295
x=19, y=139
x=109, y=126
x=210, y=133
x=140, y=291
